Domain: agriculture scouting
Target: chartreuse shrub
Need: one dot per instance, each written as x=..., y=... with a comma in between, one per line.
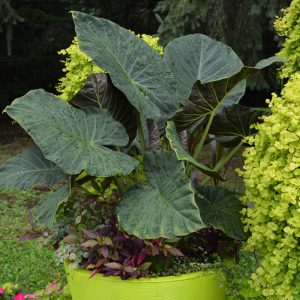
x=141, y=125
x=78, y=66
x=272, y=182
x=271, y=175
x=289, y=27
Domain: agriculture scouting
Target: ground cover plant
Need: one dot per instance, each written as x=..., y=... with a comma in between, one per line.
x=124, y=148
x=19, y=259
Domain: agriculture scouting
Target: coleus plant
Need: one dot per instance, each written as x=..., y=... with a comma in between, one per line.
x=142, y=125
x=113, y=252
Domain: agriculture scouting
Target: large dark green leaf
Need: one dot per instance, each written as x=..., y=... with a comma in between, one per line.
x=99, y=91
x=197, y=57
x=182, y=154
x=207, y=99
x=164, y=208
x=134, y=67
x=75, y=140
x=47, y=207
x=210, y=75
x=236, y=120
x=221, y=209
x=28, y=169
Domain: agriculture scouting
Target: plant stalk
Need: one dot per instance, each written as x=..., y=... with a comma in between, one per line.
x=118, y=184
x=224, y=160
x=141, y=134
x=201, y=143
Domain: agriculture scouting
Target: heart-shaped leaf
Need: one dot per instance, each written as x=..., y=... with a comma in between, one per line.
x=221, y=209
x=210, y=74
x=75, y=140
x=28, y=169
x=164, y=208
x=47, y=207
x=182, y=154
x=99, y=91
x=207, y=99
x=197, y=57
x=134, y=67
x=236, y=120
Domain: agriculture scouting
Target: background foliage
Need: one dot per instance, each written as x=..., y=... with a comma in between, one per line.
x=45, y=29
x=37, y=30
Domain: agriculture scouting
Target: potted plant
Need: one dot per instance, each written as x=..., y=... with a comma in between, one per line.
x=122, y=155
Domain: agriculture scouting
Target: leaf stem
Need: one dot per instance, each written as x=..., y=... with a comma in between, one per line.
x=117, y=183
x=141, y=133
x=224, y=160
x=198, y=147
x=84, y=180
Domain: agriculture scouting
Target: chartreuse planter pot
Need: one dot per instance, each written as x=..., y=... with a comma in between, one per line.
x=204, y=285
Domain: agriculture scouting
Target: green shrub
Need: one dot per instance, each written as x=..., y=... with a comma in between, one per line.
x=272, y=180
x=78, y=66
x=289, y=27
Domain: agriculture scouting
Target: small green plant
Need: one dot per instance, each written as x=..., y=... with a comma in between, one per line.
x=238, y=287
x=52, y=291
x=140, y=126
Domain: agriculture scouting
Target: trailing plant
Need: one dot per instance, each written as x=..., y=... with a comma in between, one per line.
x=141, y=125
x=238, y=287
x=112, y=252
x=271, y=181
x=288, y=26
x=271, y=175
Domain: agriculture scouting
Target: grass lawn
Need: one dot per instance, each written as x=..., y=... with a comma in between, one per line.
x=25, y=263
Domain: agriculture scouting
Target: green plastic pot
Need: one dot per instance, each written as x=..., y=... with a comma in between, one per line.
x=204, y=285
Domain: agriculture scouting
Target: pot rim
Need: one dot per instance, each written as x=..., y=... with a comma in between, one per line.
x=172, y=278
